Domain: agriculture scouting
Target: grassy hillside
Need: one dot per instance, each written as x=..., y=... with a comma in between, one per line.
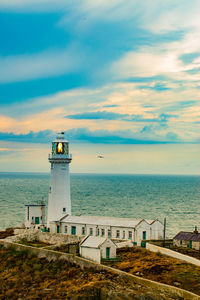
x=161, y=268
x=24, y=276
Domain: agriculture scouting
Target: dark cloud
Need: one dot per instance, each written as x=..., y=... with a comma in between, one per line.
x=110, y=116
x=83, y=135
x=45, y=136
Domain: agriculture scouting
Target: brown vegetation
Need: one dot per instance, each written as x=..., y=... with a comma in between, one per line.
x=187, y=251
x=35, y=243
x=24, y=276
x=161, y=268
x=6, y=233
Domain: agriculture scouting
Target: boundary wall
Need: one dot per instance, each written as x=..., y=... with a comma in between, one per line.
x=87, y=264
x=174, y=254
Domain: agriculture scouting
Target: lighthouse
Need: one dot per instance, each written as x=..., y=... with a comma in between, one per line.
x=59, y=202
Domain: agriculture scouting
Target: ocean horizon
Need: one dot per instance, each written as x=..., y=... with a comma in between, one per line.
x=137, y=196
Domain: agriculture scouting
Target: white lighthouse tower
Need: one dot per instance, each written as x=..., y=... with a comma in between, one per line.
x=59, y=203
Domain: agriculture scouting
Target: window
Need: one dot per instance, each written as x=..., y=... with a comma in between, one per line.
x=83, y=230
x=28, y=213
x=41, y=217
x=91, y=231
x=123, y=234
x=65, y=229
x=64, y=209
x=144, y=235
x=181, y=242
x=130, y=235
x=97, y=232
x=117, y=234
x=102, y=232
x=109, y=233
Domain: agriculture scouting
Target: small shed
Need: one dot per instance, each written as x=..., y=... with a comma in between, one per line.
x=95, y=248
x=187, y=239
x=34, y=215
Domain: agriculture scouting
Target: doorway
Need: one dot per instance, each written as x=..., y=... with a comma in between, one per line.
x=37, y=220
x=107, y=253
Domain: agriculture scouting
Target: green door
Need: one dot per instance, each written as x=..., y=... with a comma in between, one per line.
x=144, y=235
x=37, y=220
x=190, y=244
x=73, y=230
x=58, y=229
x=107, y=253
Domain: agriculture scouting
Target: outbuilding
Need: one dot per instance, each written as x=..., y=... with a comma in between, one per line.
x=95, y=248
x=187, y=239
x=34, y=215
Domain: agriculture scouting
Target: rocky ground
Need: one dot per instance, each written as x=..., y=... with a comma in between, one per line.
x=6, y=233
x=24, y=276
x=161, y=268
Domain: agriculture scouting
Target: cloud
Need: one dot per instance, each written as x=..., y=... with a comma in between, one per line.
x=104, y=115
x=32, y=137
x=32, y=5
x=46, y=64
x=157, y=86
x=114, y=107
x=84, y=135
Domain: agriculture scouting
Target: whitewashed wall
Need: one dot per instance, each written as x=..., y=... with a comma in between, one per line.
x=154, y=231
x=174, y=254
x=108, y=244
x=157, y=230
x=143, y=226
x=59, y=193
x=195, y=245
x=94, y=227
x=34, y=211
x=91, y=253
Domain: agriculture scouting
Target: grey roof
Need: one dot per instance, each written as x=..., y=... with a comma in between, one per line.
x=104, y=220
x=187, y=236
x=93, y=241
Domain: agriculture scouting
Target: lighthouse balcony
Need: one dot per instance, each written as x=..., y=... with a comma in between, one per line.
x=60, y=157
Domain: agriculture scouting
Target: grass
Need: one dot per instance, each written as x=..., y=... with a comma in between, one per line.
x=35, y=243
x=161, y=268
x=25, y=276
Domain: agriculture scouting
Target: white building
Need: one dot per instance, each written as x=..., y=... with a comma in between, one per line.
x=96, y=248
x=34, y=215
x=59, y=202
x=114, y=228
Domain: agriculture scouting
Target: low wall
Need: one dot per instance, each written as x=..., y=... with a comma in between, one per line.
x=46, y=237
x=174, y=254
x=87, y=264
x=124, y=244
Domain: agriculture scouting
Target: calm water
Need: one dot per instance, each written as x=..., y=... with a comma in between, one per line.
x=136, y=196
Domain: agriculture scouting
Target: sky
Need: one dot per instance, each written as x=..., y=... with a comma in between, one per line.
x=121, y=79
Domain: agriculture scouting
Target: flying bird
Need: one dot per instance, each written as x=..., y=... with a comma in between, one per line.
x=100, y=156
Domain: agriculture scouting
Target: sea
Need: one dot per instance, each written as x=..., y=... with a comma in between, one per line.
x=176, y=198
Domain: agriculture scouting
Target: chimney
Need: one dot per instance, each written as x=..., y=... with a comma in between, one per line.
x=195, y=230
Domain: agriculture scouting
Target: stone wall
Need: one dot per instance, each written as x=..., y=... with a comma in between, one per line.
x=124, y=244
x=87, y=264
x=172, y=253
x=32, y=234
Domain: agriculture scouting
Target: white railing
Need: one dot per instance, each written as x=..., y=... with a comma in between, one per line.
x=60, y=156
